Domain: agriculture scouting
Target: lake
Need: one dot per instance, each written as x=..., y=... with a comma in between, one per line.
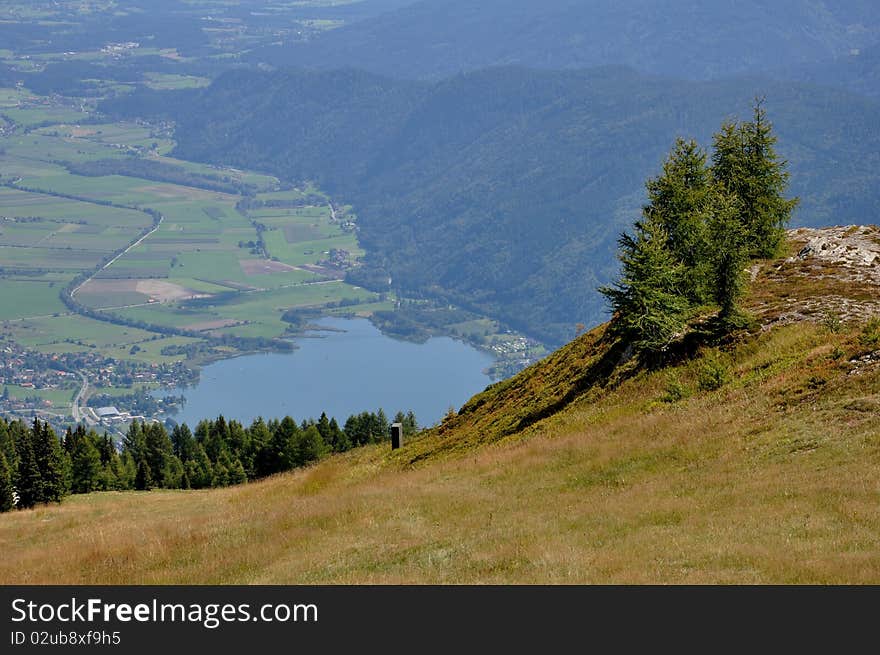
x=342, y=372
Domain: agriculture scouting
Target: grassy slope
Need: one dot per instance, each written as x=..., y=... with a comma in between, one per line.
x=774, y=477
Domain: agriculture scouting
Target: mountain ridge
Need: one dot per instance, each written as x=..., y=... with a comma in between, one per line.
x=504, y=190
x=432, y=39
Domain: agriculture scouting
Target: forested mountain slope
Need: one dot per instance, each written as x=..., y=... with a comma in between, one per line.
x=697, y=40
x=856, y=72
x=505, y=190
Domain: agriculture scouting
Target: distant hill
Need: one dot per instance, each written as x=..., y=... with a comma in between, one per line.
x=858, y=71
x=696, y=40
x=505, y=190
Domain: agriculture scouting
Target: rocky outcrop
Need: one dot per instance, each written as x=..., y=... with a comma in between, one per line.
x=834, y=277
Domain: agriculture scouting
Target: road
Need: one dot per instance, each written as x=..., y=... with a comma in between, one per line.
x=134, y=244
x=78, y=416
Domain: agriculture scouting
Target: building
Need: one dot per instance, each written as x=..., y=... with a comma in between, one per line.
x=107, y=413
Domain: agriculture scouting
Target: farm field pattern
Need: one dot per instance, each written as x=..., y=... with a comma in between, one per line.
x=211, y=266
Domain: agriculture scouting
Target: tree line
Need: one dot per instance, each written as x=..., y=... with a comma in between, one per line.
x=36, y=466
x=702, y=224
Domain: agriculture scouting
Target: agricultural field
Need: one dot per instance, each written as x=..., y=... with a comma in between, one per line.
x=168, y=82
x=160, y=269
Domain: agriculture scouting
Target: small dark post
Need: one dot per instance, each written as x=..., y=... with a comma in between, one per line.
x=396, y=435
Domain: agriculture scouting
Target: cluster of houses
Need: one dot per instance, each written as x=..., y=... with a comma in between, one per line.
x=119, y=49
x=18, y=368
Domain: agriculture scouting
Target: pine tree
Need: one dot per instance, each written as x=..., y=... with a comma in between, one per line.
x=383, y=427
x=183, y=442
x=677, y=202
x=260, y=452
x=127, y=471
x=7, y=498
x=649, y=307
x=323, y=426
x=730, y=253
x=143, y=480
x=767, y=211
x=237, y=473
x=7, y=444
x=28, y=481
x=86, y=467
x=745, y=163
x=157, y=452
x=199, y=470
x=221, y=475
x=133, y=442
x=338, y=439
x=309, y=446
x=50, y=461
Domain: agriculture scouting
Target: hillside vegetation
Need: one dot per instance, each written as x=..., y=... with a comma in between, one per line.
x=504, y=190
x=434, y=38
x=750, y=460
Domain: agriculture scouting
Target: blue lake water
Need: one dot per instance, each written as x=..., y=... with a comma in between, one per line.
x=341, y=373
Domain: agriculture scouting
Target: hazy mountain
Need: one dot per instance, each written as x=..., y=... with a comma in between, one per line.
x=858, y=71
x=506, y=189
x=698, y=40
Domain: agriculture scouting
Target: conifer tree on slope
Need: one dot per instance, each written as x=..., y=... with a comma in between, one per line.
x=649, y=307
x=85, y=466
x=677, y=200
x=745, y=164
x=6, y=488
x=729, y=253
x=143, y=480
x=7, y=443
x=51, y=463
x=28, y=481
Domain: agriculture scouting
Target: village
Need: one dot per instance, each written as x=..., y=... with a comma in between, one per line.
x=53, y=386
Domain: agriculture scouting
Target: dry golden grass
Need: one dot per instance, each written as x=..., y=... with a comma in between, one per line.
x=775, y=477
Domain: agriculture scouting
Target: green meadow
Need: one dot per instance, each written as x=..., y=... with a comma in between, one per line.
x=204, y=268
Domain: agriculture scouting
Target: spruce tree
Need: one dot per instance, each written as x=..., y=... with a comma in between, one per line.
x=221, y=475
x=51, y=463
x=729, y=255
x=7, y=444
x=284, y=445
x=237, y=473
x=383, y=427
x=338, y=439
x=647, y=301
x=7, y=498
x=677, y=201
x=745, y=164
x=309, y=446
x=261, y=456
x=157, y=452
x=133, y=442
x=323, y=426
x=199, y=470
x=127, y=470
x=86, y=467
x=410, y=424
x=183, y=442
x=767, y=211
x=28, y=481
x=143, y=480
